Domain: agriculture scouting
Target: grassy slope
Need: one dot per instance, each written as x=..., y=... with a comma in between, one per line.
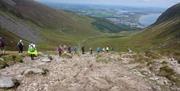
x=8, y=36
x=107, y=26
x=54, y=27
x=162, y=36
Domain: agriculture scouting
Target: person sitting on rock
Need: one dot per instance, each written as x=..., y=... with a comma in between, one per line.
x=32, y=51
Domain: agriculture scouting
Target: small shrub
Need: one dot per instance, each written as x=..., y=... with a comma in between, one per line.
x=141, y=58
x=10, y=60
x=104, y=60
x=166, y=71
x=46, y=71
x=170, y=74
x=14, y=58
x=152, y=55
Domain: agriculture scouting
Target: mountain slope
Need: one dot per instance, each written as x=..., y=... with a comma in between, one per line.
x=172, y=12
x=165, y=33
x=38, y=23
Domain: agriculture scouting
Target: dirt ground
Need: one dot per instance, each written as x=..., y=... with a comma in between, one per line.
x=103, y=72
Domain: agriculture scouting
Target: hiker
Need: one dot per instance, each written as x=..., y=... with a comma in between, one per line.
x=2, y=46
x=60, y=50
x=20, y=46
x=69, y=49
x=107, y=49
x=32, y=51
x=75, y=50
x=103, y=49
x=64, y=48
x=91, y=50
x=129, y=50
x=98, y=49
x=83, y=50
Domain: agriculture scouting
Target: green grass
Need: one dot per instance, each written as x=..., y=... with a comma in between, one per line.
x=170, y=74
x=107, y=26
x=7, y=60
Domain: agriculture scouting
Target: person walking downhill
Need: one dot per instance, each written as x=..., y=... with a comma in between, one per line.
x=20, y=46
x=60, y=50
x=107, y=49
x=91, y=50
x=103, y=49
x=98, y=49
x=2, y=46
x=69, y=49
x=83, y=50
x=75, y=49
x=32, y=51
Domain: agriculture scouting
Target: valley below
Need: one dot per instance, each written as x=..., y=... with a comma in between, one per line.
x=126, y=48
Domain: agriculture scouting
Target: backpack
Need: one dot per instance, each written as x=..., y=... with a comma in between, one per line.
x=20, y=44
x=1, y=43
x=32, y=49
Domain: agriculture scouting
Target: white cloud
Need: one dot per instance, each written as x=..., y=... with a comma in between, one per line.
x=162, y=3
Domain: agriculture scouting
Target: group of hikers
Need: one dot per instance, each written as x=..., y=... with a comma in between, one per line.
x=73, y=50
x=32, y=50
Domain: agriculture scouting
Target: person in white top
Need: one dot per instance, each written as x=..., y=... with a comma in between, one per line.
x=20, y=46
x=107, y=49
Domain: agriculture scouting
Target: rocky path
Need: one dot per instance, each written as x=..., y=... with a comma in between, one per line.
x=79, y=73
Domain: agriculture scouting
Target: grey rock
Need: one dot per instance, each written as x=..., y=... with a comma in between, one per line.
x=46, y=59
x=33, y=71
x=7, y=82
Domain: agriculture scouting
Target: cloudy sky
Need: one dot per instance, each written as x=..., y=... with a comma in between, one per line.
x=140, y=3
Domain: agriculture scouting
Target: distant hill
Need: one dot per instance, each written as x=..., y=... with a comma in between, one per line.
x=107, y=26
x=171, y=13
x=165, y=33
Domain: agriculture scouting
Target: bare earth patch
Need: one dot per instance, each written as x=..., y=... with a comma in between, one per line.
x=81, y=73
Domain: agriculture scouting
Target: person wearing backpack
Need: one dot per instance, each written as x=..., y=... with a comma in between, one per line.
x=107, y=49
x=32, y=51
x=20, y=46
x=2, y=45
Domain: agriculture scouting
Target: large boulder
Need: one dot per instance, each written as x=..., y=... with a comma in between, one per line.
x=7, y=82
x=46, y=59
x=34, y=71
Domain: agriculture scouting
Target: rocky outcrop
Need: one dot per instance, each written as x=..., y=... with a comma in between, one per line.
x=7, y=82
x=34, y=71
x=119, y=72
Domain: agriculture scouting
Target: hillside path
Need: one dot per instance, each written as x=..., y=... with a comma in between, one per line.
x=80, y=73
